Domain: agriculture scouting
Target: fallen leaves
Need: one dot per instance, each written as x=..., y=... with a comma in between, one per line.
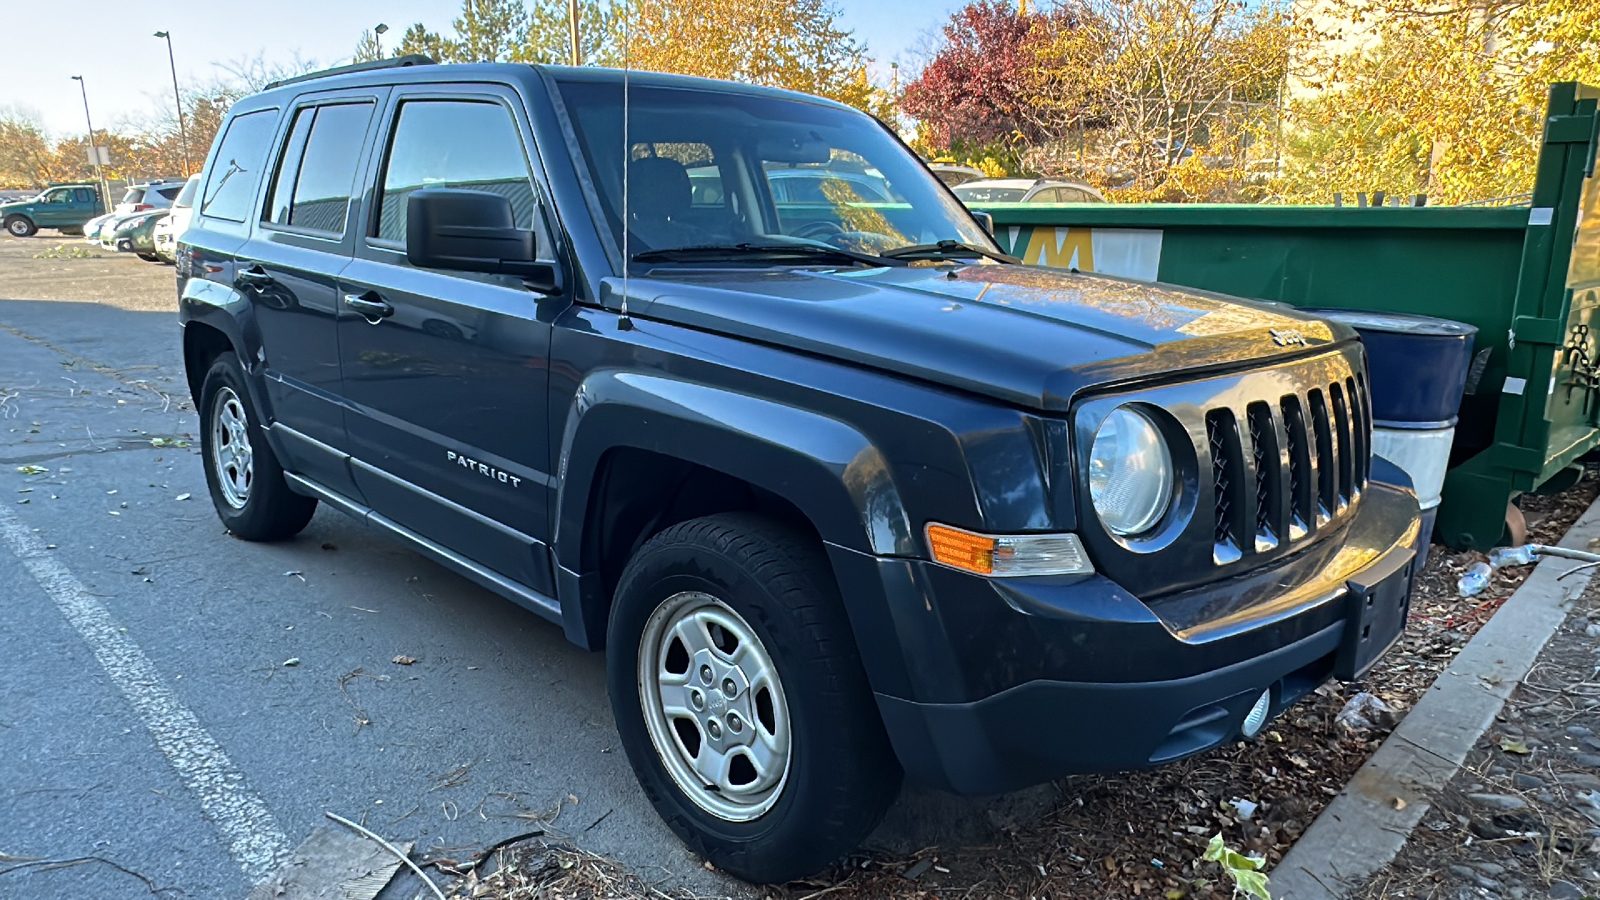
x=1514, y=745
x=168, y=442
x=403, y=660
x=32, y=469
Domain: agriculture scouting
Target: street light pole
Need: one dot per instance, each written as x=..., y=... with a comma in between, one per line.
x=177, y=98
x=572, y=20
x=100, y=173
x=379, y=32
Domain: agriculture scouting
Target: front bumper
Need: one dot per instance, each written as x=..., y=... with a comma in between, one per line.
x=996, y=684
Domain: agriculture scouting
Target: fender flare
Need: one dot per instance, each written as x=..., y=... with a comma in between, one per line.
x=224, y=309
x=829, y=470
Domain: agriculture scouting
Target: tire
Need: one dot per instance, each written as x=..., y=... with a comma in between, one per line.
x=246, y=482
x=72, y=231
x=148, y=257
x=746, y=584
x=21, y=226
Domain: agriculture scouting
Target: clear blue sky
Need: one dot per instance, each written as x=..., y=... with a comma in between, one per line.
x=112, y=45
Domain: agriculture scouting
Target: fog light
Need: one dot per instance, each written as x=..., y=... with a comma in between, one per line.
x=1257, y=716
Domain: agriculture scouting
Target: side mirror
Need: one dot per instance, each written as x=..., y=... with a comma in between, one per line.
x=984, y=220
x=472, y=231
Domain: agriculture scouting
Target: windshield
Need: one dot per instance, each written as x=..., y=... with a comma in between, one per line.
x=712, y=169
x=970, y=194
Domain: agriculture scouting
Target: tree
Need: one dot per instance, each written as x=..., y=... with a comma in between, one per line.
x=794, y=44
x=368, y=49
x=981, y=86
x=1415, y=96
x=26, y=158
x=548, y=38
x=420, y=40
x=489, y=31
x=1175, y=88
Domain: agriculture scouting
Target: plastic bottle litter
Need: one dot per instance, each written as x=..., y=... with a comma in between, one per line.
x=1512, y=556
x=1476, y=579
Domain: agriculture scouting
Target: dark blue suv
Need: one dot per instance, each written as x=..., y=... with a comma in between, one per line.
x=844, y=492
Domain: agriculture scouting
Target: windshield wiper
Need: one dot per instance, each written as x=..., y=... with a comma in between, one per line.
x=810, y=252
x=946, y=250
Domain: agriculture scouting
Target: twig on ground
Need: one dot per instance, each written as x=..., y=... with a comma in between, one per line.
x=47, y=865
x=392, y=849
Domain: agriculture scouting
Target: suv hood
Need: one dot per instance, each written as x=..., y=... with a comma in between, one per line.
x=1029, y=336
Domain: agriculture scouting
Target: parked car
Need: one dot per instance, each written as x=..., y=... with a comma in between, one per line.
x=92, y=228
x=64, y=207
x=168, y=228
x=144, y=197
x=134, y=234
x=1027, y=190
x=836, y=516
x=953, y=174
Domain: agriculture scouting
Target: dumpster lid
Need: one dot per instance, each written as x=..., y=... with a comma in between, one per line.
x=1394, y=323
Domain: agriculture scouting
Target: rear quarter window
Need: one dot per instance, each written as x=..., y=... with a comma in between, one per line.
x=230, y=188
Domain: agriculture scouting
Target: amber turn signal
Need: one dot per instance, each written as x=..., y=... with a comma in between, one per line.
x=1007, y=555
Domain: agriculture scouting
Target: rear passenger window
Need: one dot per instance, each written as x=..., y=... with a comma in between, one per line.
x=83, y=195
x=318, y=167
x=236, y=172
x=454, y=144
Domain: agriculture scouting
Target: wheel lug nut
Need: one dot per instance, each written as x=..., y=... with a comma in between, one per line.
x=729, y=688
x=705, y=674
x=714, y=729
x=735, y=725
x=697, y=700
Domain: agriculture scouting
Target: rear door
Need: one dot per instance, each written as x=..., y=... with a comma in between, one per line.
x=447, y=372
x=289, y=269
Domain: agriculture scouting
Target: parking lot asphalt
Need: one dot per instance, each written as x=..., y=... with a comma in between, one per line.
x=186, y=705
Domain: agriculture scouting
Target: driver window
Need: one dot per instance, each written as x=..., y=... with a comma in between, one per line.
x=59, y=196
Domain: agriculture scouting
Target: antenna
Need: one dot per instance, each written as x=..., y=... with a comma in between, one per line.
x=624, y=322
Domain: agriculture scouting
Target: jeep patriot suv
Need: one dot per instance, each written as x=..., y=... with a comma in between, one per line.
x=844, y=493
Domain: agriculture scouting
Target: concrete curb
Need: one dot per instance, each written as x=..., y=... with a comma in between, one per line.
x=1361, y=831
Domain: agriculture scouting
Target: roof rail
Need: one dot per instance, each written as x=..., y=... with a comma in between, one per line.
x=410, y=59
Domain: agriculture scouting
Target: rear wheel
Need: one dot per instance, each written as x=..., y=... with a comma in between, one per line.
x=20, y=226
x=741, y=701
x=247, y=485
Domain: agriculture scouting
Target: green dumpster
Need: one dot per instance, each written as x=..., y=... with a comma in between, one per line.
x=1527, y=277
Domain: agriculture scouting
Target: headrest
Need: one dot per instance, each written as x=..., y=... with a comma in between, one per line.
x=658, y=188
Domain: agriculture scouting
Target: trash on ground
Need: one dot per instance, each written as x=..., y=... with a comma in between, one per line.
x=1475, y=580
x=1501, y=557
x=1367, y=711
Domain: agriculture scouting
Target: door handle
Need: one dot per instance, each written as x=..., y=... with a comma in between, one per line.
x=371, y=306
x=255, y=276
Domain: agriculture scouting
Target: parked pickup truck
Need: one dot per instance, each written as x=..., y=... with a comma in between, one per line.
x=844, y=492
x=64, y=207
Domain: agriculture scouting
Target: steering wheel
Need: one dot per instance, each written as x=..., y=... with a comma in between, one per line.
x=821, y=228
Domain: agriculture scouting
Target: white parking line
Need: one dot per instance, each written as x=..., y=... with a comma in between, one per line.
x=254, y=839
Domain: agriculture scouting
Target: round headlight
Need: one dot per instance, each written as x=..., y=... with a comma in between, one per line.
x=1130, y=473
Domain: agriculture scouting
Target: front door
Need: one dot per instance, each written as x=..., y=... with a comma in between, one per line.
x=56, y=210
x=447, y=372
x=289, y=269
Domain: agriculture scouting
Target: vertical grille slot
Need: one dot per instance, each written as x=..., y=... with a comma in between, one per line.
x=1265, y=454
x=1301, y=488
x=1346, y=443
x=1325, y=458
x=1358, y=395
x=1229, y=489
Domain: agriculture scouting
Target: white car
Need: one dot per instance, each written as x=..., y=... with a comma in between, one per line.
x=168, y=230
x=1026, y=190
x=145, y=197
x=91, y=228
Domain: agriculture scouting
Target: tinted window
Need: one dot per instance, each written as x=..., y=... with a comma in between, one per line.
x=278, y=201
x=328, y=169
x=453, y=144
x=236, y=172
x=171, y=191
x=84, y=195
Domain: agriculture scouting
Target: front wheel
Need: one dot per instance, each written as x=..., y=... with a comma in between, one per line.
x=248, y=489
x=741, y=701
x=21, y=226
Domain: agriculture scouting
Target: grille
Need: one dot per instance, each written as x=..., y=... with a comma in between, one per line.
x=1284, y=469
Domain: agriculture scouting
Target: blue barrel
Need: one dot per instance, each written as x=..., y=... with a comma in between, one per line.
x=1419, y=368
x=1419, y=363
